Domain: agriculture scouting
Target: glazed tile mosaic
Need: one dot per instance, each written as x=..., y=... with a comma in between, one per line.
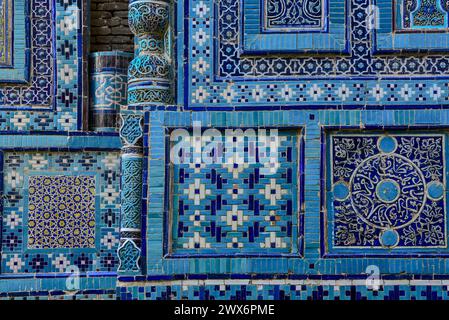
x=5, y=32
x=61, y=212
x=358, y=93
x=246, y=208
x=364, y=46
x=387, y=191
x=61, y=209
x=49, y=75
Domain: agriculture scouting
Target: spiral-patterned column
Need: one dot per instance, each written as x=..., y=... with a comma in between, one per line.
x=149, y=84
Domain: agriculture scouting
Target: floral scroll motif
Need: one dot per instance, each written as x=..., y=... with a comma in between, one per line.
x=388, y=191
x=424, y=14
x=129, y=255
x=131, y=130
x=297, y=14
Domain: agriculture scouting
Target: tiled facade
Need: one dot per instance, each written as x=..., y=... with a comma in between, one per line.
x=342, y=193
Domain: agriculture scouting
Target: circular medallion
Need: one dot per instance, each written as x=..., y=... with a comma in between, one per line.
x=387, y=191
x=387, y=144
x=389, y=238
x=341, y=191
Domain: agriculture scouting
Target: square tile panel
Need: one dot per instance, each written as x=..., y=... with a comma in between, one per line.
x=248, y=207
x=386, y=193
x=61, y=211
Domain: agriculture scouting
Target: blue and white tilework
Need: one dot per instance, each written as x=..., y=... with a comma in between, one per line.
x=61, y=209
x=5, y=32
x=219, y=75
x=387, y=191
x=247, y=207
x=54, y=68
x=284, y=290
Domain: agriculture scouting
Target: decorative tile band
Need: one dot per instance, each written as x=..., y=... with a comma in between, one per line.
x=5, y=32
x=284, y=290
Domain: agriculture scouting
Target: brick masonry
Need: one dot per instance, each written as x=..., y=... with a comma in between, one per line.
x=109, y=26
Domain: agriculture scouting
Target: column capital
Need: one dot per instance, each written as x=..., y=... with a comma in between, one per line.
x=150, y=73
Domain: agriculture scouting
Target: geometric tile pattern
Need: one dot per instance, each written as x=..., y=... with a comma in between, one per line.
x=55, y=67
x=388, y=191
x=39, y=189
x=247, y=207
x=286, y=291
x=215, y=57
x=61, y=212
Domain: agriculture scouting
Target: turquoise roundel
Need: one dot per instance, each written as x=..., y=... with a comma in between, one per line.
x=389, y=238
x=388, y=190
x=387, y=144
x=435, y=190
x=341, y=191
